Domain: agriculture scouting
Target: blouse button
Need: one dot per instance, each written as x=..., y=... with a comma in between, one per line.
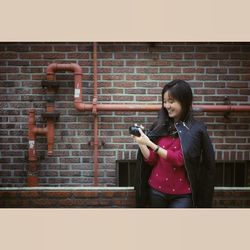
x=173, y=190
x=174, y=169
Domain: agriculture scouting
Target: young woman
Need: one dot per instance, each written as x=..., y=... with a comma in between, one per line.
x=176, y=165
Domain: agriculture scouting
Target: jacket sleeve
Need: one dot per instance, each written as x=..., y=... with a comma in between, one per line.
x=207, y=172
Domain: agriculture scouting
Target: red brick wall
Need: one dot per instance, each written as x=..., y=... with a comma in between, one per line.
x=127, y=73
x=67, y=198
x=231, y=198
x=79, y=198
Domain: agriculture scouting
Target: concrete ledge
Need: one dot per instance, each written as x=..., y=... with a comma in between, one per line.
x=232, y=188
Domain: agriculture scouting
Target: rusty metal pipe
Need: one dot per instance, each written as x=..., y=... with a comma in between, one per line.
x=32, y=136
x=32, y=179
x=156, y=107
x=221, y=108
x=94, y=111
x=40, y=131
x=50, y=136
x=53, y=67
x=74, y=67
x=48, y=131
x=50, y=126
x=95, y=149
x=79, y=105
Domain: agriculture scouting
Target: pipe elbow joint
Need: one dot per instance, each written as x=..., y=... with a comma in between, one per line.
x=77, y=68
x=51, y=69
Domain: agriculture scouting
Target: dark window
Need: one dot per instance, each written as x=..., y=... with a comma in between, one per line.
x=232, y=174
x=126, y=173
x=228, y=174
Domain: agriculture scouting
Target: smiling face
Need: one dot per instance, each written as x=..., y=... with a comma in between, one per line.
x=172, y=106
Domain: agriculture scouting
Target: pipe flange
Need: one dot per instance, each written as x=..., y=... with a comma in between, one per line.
x=100, y=144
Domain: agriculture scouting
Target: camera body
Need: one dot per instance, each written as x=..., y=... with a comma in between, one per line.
x=134, y=130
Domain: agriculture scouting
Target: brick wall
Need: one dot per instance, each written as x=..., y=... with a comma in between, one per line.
x=127, y=73
x=231, y=198
x=67, y=198
x=52, y=197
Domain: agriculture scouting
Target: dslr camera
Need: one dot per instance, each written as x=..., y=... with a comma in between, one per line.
x=134, y=130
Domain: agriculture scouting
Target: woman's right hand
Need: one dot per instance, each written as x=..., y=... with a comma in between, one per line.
x=143, y=139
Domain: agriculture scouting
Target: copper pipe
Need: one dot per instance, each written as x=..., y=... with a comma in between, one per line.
x=32, y=179
x=50, y=125
x=48, y=131
x=32, y=136
x=221, y=108
x=95, y=153
x=94, y=107
x=54, y=67
x=40, y=131
x=95, y=71
x=156, y=107
x=94, y=111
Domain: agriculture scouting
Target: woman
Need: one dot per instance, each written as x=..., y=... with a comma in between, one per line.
x=176, y=165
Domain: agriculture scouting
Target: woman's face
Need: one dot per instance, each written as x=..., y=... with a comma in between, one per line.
x=172, y=106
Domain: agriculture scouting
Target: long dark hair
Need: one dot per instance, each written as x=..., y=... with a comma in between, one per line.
x=180, y=91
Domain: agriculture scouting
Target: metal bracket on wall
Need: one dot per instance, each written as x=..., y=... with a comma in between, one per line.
x=101, y=144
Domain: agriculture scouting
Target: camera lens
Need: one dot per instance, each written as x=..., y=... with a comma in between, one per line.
x=134, y=130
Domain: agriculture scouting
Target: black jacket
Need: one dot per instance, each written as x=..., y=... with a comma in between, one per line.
x=199, y=162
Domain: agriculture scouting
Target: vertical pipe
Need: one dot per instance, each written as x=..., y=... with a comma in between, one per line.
x=32, y=180
x=96, y=141
x=95, y=69
x=95, y=156
x=50, y=124
x=50, y=136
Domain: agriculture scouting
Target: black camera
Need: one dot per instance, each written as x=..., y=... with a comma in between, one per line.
x=134, y=130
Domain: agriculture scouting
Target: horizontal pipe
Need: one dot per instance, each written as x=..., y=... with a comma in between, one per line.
x=53, y=67
x=79, y=105
x=156, y=107
x=221, y=108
